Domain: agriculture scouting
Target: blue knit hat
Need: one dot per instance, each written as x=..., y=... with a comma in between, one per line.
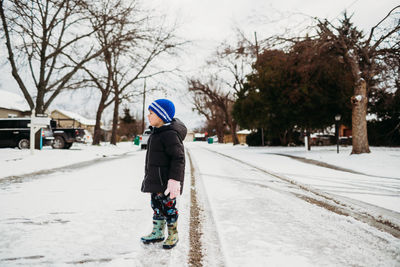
x=164, y=109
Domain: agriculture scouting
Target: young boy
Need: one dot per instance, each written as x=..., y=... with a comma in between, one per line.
x=164, y=170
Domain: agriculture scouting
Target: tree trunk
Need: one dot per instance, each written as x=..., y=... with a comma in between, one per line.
x=283, y=138
x=308, y=139
x=115, y=122
x=220, y=134
x=39, y=101
x=235, y=138
x=359, y=121
x=97, y=128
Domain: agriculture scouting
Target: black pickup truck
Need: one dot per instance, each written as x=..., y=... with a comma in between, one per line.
x=65, y=137
x=15, y=132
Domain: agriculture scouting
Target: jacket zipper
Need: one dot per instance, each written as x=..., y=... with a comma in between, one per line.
x=159, y=175
x=148, y=151
x=147, y=159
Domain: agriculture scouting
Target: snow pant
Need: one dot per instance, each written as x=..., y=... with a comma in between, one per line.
x=164, y=208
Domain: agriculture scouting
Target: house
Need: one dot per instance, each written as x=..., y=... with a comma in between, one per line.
x=13, y=105
x=68, y=119
x=242, y=134
x=344, y=131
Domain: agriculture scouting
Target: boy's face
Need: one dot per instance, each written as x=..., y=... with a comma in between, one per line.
x=154, y=120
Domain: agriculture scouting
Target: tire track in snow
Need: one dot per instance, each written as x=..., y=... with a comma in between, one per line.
x=326, y=201
x=211, y=249
x=68, y=168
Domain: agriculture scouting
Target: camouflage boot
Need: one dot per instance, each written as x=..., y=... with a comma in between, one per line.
x=172, y=238
x=157, y=235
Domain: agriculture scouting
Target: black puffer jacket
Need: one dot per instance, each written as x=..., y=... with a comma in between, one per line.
x=165, y=158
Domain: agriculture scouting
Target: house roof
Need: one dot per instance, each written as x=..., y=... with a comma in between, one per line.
x=13, y=101
x=76, y=117
x=244, y=132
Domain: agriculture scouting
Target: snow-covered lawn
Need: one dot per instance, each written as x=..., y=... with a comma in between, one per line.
x=382, y=161
x=14, y=161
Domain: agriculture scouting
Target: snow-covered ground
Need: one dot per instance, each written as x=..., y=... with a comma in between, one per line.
x=14, y=161
x=89, y=215
x=260, y=220
x=88, y=209
x=379, y=186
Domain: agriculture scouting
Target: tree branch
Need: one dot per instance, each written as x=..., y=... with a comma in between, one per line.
x=11, y=58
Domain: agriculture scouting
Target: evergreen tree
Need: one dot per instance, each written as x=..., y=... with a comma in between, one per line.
x=303, y=88
x=128, y=126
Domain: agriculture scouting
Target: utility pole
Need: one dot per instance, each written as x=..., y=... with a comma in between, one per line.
x=255, y=38
x=262, y=129
x=144, y=103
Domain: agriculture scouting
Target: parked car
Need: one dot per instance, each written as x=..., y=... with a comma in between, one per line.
x=346, y=140
x=65, y=137
x=144, y=138
x=323, y=139
x=15, y=132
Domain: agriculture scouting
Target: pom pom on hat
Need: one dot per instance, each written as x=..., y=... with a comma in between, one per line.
x=164, y=109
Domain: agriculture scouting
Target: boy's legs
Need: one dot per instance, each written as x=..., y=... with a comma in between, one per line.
x=157, y=204
x=171, y=215
x=164, y=209
x=157, y=233
x=168, y=209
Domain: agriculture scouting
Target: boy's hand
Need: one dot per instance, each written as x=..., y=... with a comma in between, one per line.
x=173, y=188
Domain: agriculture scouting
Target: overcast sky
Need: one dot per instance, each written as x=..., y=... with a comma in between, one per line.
x=208, y=22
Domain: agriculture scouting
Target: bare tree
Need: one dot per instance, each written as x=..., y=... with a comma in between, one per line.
x=232, y=63
x=136, y=42
x=215, y=119
x=362, y=54
x=212, y=102
x=50, y=40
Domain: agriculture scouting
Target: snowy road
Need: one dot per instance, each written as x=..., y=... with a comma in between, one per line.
x=94, y=215
x=264, y=221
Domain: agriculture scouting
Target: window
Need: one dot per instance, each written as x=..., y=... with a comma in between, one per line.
x=6, y=124
x=23, y=124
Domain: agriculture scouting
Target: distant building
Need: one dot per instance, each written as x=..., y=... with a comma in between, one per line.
x=189, y=137
x=68, y=119
x=242, y=134
x=13, y=105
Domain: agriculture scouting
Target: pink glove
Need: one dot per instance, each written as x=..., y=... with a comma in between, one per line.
x=173, y=188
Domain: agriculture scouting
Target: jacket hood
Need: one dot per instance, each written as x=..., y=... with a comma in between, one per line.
x=175, y=125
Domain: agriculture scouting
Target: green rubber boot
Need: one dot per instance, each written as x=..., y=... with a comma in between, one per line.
x=172, y=238
x=157, y=235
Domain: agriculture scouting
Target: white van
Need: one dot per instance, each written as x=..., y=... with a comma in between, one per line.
x=144, y=138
